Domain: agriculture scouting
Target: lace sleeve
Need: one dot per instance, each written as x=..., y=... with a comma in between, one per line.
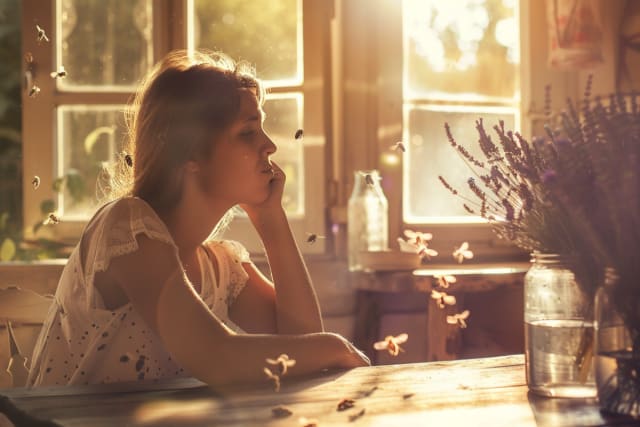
x=236, y=279
x=121, y=224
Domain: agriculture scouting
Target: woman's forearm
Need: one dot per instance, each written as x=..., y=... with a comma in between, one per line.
x=297, y=308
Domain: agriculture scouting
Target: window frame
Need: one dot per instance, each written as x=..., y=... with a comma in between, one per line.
x=380, y=113
x=170, y=31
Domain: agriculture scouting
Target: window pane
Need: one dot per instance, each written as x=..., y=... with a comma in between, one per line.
x=460, y=47
x=104, y=42
x=429, y=154
x=88, y=137
x=283, y=118
x=263, y=32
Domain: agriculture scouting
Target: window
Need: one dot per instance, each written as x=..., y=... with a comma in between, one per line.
x=458, y=66
x=73, y=125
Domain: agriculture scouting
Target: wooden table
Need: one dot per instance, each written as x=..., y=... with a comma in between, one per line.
x=476, y=392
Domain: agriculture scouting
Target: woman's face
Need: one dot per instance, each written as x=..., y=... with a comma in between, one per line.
x=239, y=169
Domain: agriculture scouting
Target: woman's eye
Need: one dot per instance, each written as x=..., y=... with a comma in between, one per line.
x=248, y=133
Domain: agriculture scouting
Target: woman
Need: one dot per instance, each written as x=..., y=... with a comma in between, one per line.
x=147, y=293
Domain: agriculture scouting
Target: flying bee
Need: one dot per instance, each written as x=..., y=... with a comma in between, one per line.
x=345, y=404
x=42, y=35
x=459, y=319
x=399, y=146
x=128, y=160
x=443, y=299
x=462, y=253
x=51, y=219
x=312, y=238
x=299, y=134
x=35, y=182
x=417, y=236
x=427, y=252
x=60, y=74
x=34, y=91
x=283, y=362
x=445, y=280
x=392, y=344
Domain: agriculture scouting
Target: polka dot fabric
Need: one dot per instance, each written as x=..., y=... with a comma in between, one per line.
x=82, y=342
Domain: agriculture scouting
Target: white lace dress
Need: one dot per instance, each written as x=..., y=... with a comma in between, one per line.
x=82, y=342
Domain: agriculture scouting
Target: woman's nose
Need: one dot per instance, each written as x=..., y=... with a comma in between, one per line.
x=271, y=146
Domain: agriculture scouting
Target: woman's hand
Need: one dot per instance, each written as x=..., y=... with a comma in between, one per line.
x=348, y=356
x=272, y=205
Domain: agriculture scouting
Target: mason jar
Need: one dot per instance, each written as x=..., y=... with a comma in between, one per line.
x=558, y=319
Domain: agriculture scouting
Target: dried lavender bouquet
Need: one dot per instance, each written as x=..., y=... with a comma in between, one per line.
x=511, y=188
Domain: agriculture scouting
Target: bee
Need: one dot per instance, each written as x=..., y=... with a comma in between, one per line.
x=345, y=404
x=34, y=91
x=35, y=182
x=299, y=134
x=462, y=253
x=442, y=298
x=417, y=236
x=51, y=219
x=427, y=252
x=312, y=238
x=28, y=57
x=445, y=280
x=42, y=35
x=459, y=319
x=128, y=160
x=392, y=344
x=369, y=179
x=60, y=74
x=399, y=146
x=283, y=362
x=407, y=396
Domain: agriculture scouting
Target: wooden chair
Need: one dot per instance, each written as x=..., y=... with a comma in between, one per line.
x=19, y=308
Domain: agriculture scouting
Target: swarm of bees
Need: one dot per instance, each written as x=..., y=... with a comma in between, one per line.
x=392, y=344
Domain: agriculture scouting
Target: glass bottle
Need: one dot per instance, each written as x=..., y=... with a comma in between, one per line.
x=617, y=364
x=367, y=221
x=558, y=319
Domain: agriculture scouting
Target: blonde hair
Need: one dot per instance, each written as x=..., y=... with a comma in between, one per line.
x=182, y=104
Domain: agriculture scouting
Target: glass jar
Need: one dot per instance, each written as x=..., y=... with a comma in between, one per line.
x=367, y=217
x=617, y=366
x=558, y=319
